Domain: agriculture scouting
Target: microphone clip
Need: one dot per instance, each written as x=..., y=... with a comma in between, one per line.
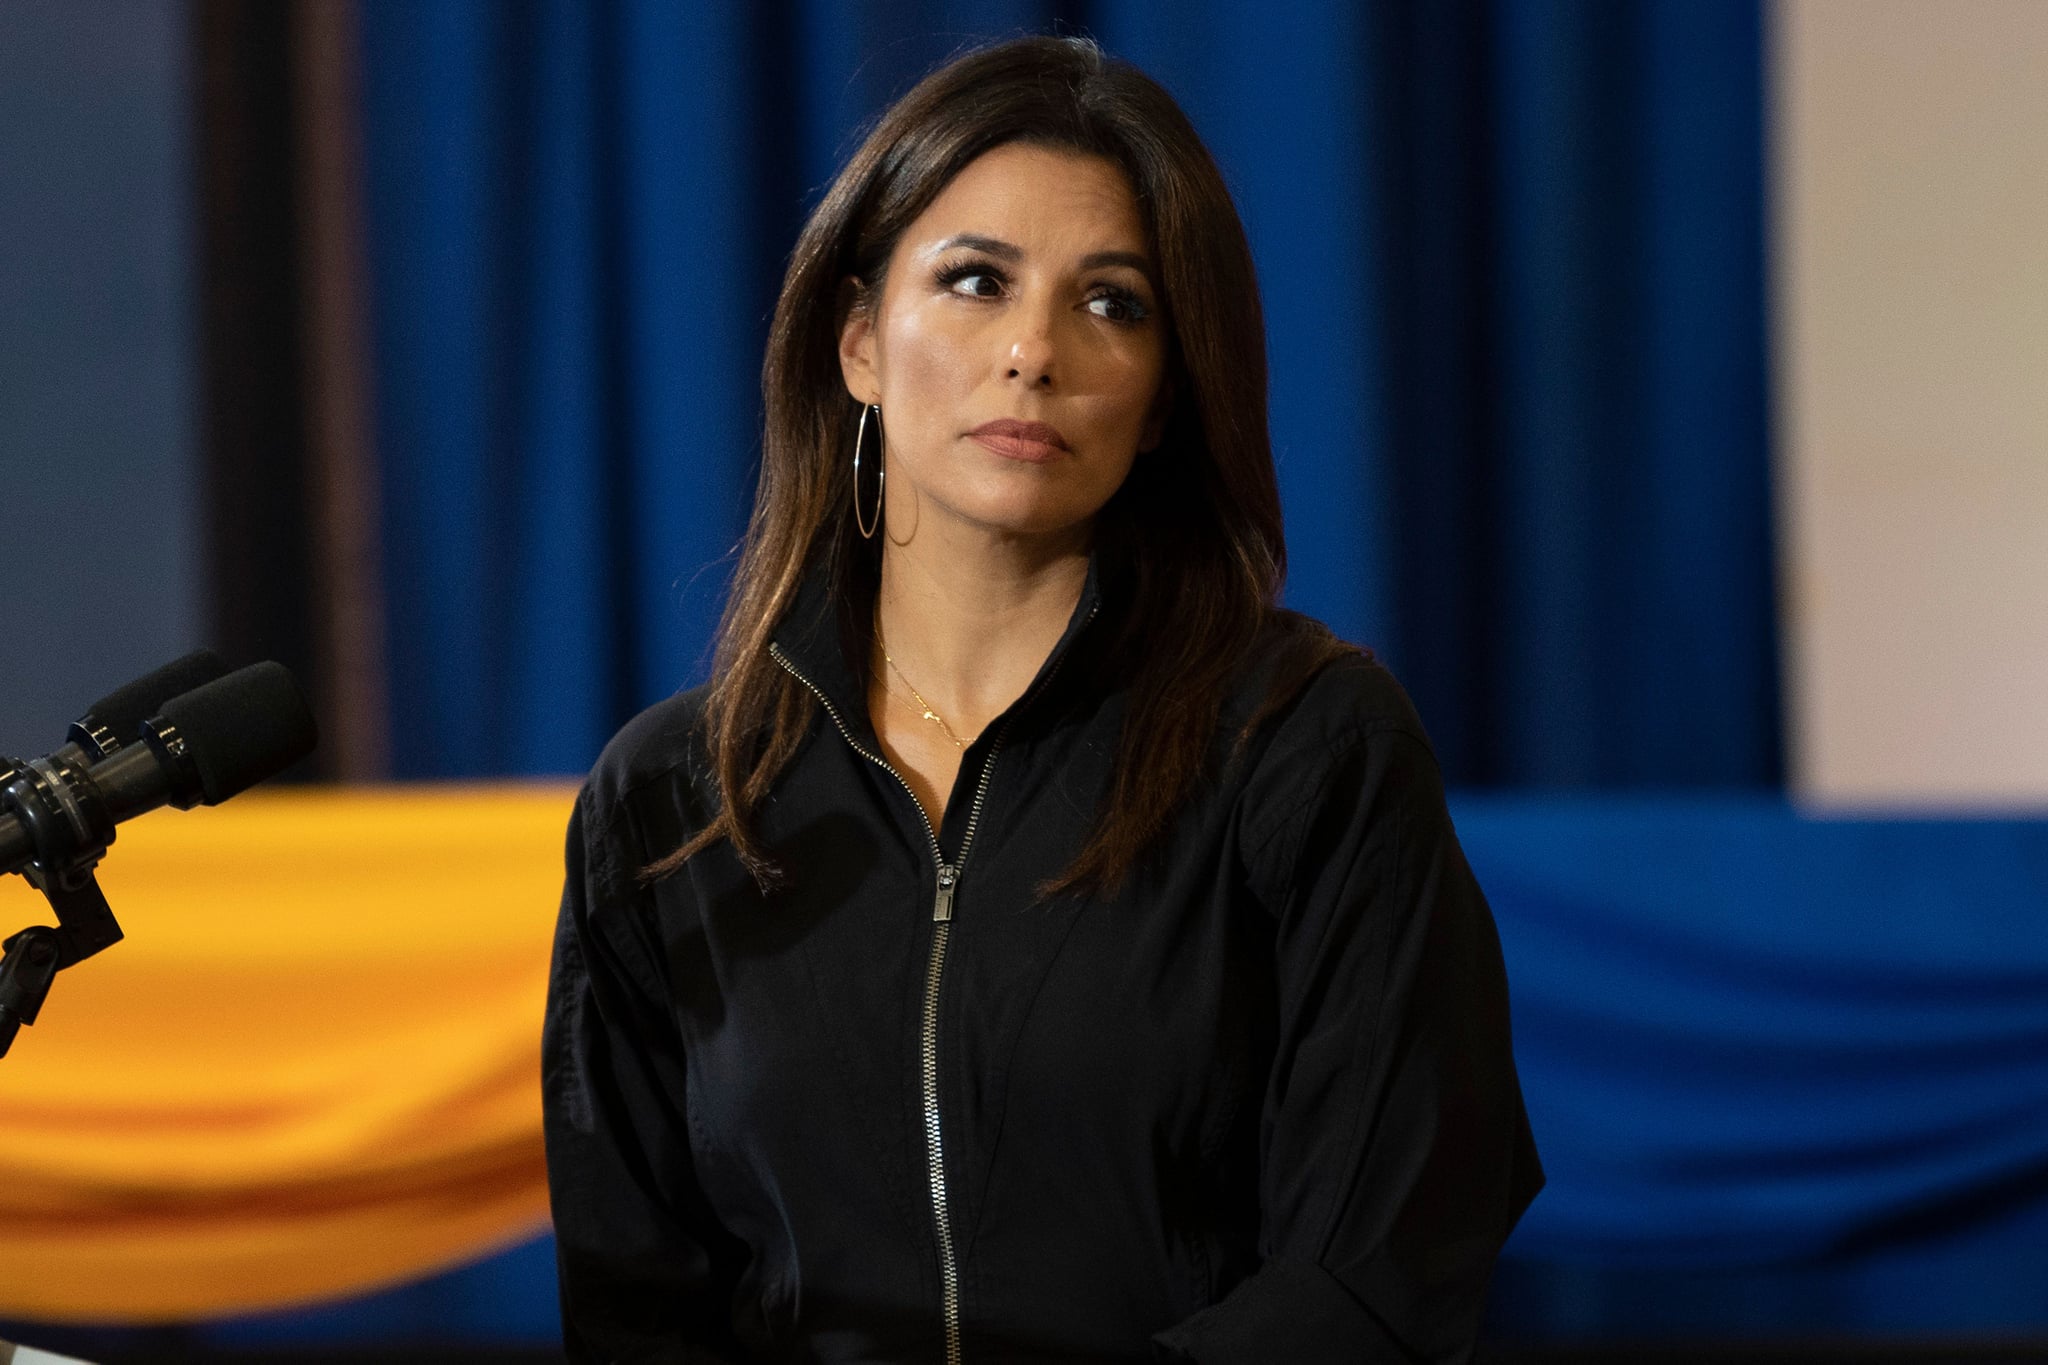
x=72, y=830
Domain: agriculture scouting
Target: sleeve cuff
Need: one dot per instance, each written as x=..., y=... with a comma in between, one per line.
x=1289, y=1310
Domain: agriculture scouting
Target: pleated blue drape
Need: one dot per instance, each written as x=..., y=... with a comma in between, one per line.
x=1789, y=1076
x=1511, y=255
x=567, y=267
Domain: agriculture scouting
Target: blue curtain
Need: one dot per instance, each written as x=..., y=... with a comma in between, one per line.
x=1512, y=255
x=1512, y=260
x=1789, y=1076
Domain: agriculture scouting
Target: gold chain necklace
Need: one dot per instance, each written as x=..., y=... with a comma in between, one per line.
x=929, y=714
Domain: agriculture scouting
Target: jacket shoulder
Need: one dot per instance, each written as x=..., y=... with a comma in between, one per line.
x=662, y=745
x=1306, y=689
x=1346, y=742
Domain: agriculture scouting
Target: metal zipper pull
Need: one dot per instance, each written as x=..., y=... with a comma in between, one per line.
x=942, y=908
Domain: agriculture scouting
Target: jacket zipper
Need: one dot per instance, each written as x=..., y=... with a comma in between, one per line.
x=942, y=926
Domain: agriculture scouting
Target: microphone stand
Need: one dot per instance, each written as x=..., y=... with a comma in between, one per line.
x=71, y=836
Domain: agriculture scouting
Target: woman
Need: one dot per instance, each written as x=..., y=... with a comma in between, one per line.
x=1033, y=945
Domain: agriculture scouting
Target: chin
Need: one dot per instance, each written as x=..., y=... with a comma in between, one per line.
x=1040, y=521
x=1028, y=507
x=1010, y=519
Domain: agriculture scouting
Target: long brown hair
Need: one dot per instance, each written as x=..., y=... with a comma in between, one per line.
x=1191, y=543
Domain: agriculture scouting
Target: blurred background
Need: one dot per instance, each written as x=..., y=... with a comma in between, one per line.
x=1659, y=386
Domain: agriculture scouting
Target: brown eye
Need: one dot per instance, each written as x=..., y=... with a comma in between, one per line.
x=1118, y=305
x=972, y=280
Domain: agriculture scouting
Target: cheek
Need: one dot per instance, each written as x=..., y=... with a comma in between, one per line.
x=1129, y=382
x=923, y=360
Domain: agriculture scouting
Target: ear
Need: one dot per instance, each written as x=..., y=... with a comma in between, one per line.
x=857, y=341
x=1154, y=430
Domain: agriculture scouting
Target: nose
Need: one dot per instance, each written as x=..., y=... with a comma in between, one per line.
x=1031, y=353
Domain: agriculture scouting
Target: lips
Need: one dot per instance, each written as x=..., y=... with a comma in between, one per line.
x=1008, y=437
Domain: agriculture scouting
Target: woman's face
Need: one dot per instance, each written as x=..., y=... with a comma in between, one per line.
x=1018, y=350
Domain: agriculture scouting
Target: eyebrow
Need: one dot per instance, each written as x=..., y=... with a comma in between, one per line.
x=1134, y=259
x=994, y=246
x=1007, y=251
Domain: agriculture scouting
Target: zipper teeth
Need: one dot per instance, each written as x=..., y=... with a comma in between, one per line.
x=928, y=1039
x=987, y=769
x=942, y=1215
x=928, y=1043
x=938, y=856
x=942, y=1220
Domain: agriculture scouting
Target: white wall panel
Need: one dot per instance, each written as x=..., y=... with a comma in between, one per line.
x=1911, y=263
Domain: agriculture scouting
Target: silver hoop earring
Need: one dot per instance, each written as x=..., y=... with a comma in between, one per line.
x=860, y=437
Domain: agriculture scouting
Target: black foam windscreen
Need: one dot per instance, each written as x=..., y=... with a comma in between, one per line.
x=121, y=712
x=252, y=724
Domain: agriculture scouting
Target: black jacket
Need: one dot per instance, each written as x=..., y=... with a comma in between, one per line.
x=1258, y=1107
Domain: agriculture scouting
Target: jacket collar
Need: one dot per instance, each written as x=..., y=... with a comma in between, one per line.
x=824, y=640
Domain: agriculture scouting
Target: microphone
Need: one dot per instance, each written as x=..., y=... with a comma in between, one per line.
x=57, y=814
x=203, y=746
x=114, y=719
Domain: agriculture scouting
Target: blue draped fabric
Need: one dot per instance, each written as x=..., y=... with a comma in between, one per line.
x=567, y=293
x=1511, y=256
x=1787, y=1075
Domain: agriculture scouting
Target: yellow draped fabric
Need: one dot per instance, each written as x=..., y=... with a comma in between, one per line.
x=311, y=1068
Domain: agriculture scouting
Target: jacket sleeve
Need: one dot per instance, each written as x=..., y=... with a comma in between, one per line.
x=635, y=1245
x=1394, y=1152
